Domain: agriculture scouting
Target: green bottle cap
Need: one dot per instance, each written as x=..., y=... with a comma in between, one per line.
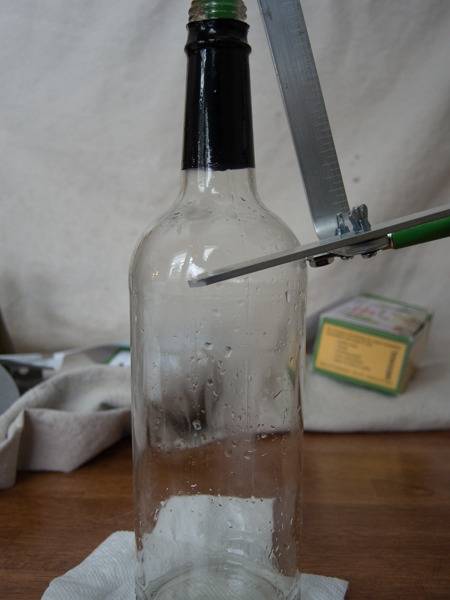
x=202, y=10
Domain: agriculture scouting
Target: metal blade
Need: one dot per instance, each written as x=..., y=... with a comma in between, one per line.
x=363, y=240
x=306, y=112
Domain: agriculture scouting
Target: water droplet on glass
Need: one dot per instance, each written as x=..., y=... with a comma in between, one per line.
x=209, y=346
x=228, y=351
x=197, y=425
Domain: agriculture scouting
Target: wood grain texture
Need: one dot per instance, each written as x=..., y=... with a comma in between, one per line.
x=376, y=512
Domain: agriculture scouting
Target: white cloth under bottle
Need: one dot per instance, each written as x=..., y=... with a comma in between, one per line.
x=108, y=573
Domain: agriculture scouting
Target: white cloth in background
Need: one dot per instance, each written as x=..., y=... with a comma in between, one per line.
x=331, y=406
x=91, y=113
x=69, y=419
x=109, y=571
x=65, y=421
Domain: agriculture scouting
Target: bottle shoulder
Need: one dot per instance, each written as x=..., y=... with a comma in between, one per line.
x=196, y=236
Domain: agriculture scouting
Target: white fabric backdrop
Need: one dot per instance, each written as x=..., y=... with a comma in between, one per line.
x=91, y=107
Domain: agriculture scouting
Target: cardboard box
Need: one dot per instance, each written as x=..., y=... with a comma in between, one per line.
x=372, y=341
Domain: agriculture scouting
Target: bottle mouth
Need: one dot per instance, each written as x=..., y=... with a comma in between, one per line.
x=203, y=10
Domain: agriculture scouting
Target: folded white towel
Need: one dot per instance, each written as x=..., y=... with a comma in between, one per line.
x=65, y=421
x=108, y=573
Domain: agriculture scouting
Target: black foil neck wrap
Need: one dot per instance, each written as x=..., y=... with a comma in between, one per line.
x=218, y=131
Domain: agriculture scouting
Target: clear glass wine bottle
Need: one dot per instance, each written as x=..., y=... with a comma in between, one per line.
x=217, y=425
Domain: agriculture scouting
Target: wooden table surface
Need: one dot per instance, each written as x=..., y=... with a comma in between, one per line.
x=376, y=512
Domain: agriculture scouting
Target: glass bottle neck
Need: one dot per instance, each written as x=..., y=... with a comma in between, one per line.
x=218, y=134
x=232, y=183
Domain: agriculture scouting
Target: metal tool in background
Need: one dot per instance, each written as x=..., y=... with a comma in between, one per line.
x=343, y=232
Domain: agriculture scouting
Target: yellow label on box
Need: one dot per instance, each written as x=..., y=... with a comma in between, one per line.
x=361, y=356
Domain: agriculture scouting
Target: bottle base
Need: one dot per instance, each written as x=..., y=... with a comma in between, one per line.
x=225, y=581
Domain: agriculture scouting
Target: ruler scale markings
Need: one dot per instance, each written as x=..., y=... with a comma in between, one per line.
x=306, y=111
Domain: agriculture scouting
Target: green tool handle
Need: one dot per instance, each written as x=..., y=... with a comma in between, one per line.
x=435, y=230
